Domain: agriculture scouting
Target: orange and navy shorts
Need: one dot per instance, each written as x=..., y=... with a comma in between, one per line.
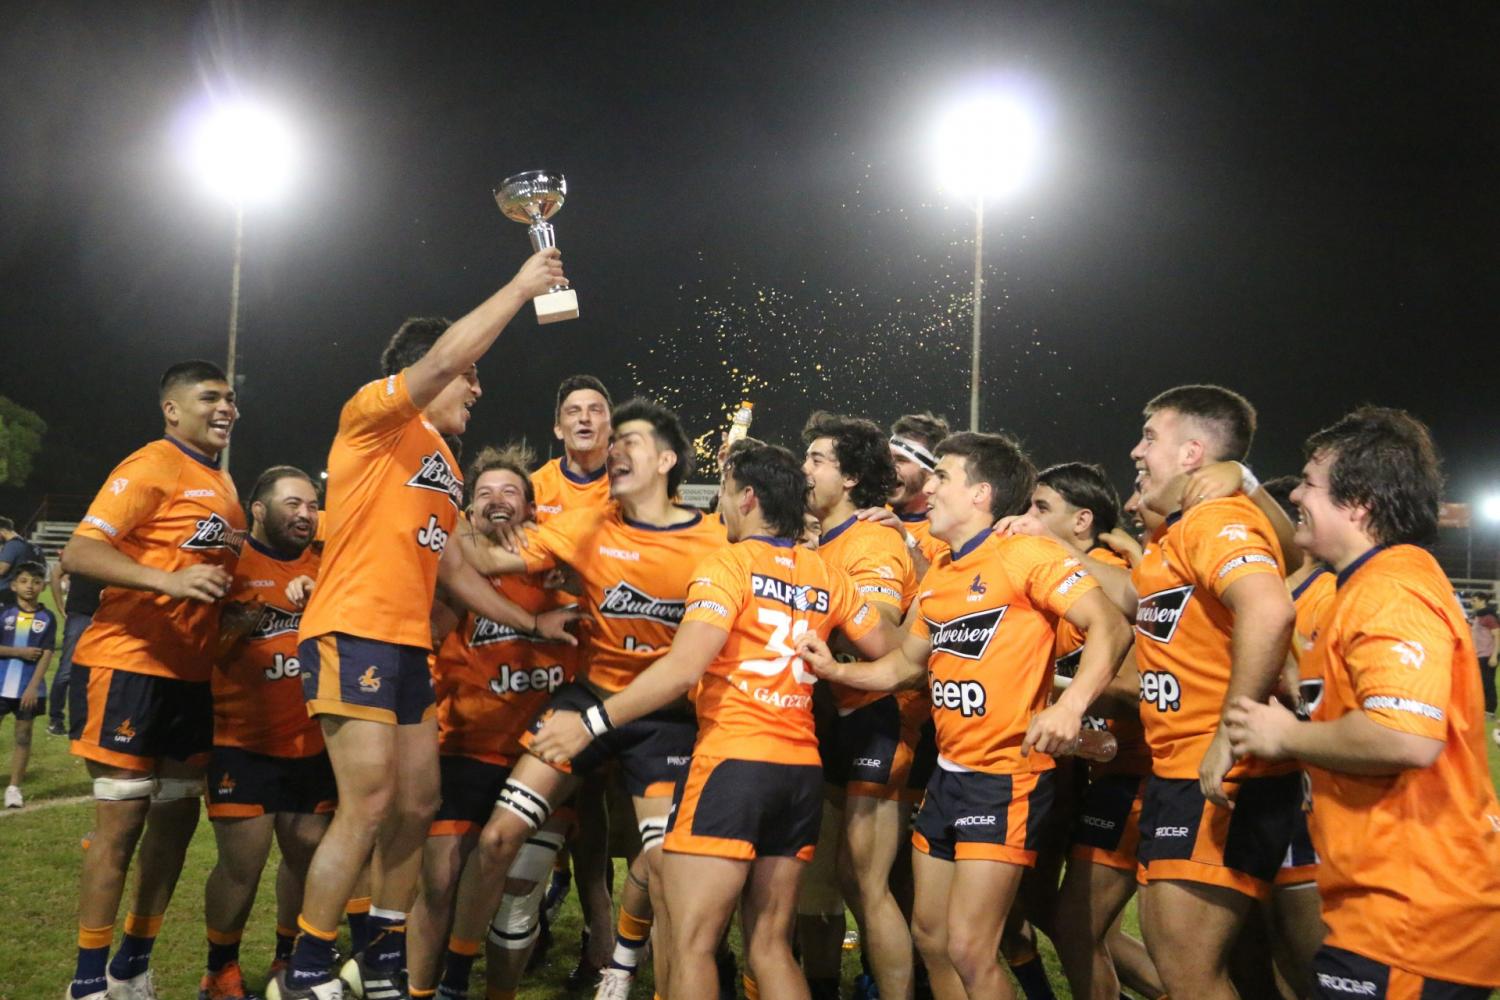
x=972, y=816
x=131, y=720
x=1300, y=866
x=1107, y=831
x=1186, y=838
x=242, y=783
x=470, y=787
x=868, y=755
x=653, y=751
x=1339, y=974
x=746, y=809
x=358, y=678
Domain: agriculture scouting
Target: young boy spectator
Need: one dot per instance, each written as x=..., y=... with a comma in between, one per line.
x=14, y=550
x=27, y=634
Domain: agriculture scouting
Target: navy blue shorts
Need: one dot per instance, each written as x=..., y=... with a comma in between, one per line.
x=243, y=783
x=653, y=751
x=358, y=678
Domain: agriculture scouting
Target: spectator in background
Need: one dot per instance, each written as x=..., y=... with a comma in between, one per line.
x=78, y=597
x=14, y=550
x=1486, y=629
x=27, y=634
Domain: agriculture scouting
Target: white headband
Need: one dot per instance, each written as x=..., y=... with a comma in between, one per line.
x=915, y=452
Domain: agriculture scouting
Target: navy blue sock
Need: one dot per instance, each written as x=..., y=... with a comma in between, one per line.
x=93, y=956
x=134, y=956
x=312, y=958
x=286, y=937
x=222, y=951
x=386, y=951
x=1033, y=979
x=358, y=915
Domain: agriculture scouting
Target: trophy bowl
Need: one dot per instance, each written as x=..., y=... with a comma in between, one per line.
x=532, y=197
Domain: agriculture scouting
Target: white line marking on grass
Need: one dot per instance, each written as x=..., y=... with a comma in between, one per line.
x=32, y=807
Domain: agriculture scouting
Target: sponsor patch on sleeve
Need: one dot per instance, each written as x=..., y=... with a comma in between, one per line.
x=102, y=525
x=868, y=588
x=712, y=607
x=1246, y=560
x=1072, y=581
x=1390, y=702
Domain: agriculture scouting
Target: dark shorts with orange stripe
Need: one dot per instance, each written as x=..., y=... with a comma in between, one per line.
x=243, y=783
x=1300, y=866
x=1107, y=831
x=1186, y=838
x=653, y=751
x=868, y=755
x=469, y=789
x=132, y=720
x=746, y=809
x=358, y=678
x=969, y=816
x=1341, y=975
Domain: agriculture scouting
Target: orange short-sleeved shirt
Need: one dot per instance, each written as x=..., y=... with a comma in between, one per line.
x=1410, y=872
x=1183, y=628
x=989, y=612
x=258, y=702
x=635, y=579
x=490, y=681
x=394, y=492
x=876, y=561
x=168, y=507
x=558, y=490
x=1312, y=598
x=755, y=699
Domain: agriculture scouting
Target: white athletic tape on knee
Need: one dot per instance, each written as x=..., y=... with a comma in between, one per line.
x=122, y=789
x=525, y=802
x=518, y=920
x=177, y=789
x=653, y=831
x=534, y=860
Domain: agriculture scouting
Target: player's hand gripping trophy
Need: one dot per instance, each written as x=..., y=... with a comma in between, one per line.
x=533, y=198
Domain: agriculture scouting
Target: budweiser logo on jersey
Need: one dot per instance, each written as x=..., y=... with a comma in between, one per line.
x=1157, y=614
x=213, y=532
x=437, y=475
x=274, y=621
x=795, y=596
x=487, y=633
x=968, y=636
x=624, y=601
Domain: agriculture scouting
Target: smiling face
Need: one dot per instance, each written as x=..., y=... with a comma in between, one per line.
x=449, y=411
x=637, y=462
x=499, y=498
x=826, y=483
x=201, y=415
x=1167, y=450
x=287, y=519
x=1327, y=530
x=911, y=476
x=583, y=421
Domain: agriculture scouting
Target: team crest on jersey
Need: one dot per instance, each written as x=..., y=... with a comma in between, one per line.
x=625, y=601
x=1410, y=653
x=437, y=475
x=798, y=597
x=274, y=621
x=977, y=588
x=1157, y=615
x=213, y=532
x=967, y=636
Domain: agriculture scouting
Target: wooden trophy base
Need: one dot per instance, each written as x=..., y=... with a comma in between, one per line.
x=554, y=307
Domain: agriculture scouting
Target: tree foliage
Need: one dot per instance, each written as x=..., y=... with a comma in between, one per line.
x=20, y=441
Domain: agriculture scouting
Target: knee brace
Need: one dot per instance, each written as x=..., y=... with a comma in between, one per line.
x=123, y=789
x=653, y=832
x=517, y=921
x=527, y=803
x=177, y=789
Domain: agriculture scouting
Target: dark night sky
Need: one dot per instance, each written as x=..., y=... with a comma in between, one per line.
x=1296, y=200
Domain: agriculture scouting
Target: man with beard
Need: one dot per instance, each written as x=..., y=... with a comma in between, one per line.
x=913, y=437
x=268, y=775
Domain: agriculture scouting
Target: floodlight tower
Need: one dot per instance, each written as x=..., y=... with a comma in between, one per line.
x=985, y=147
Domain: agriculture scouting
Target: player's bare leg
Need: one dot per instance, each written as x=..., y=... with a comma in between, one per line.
x=820, y=905
x=701, y=892
x=229, y=893
x=1189, y=929
x=591, y=868
x=1299, y=932
x=980, y=897
x=513, y=932
x=427, y=934
x=122, y=800
x=1090, y=901
x=654, y=811
x=768, y=912
x=873, y=831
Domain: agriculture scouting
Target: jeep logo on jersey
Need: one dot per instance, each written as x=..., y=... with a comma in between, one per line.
x=1161, y=690
x=624, y=601
x=487, y=633
x=968, y=636
x=1157, y=614
x=964, y=697
x=519, y=680
x=274, y=621
x=437, y=475
x=795, y=596
x=213, y=532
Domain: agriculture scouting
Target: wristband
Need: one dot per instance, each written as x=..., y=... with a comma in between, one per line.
x=1248, y=483
x=911, y=540
x=596, y=721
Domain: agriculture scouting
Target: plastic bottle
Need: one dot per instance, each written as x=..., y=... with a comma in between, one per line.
x=739, y=427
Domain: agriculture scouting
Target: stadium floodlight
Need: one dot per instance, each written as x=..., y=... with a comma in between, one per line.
x=244, y=153
x=984, y=147
x=1489, y=508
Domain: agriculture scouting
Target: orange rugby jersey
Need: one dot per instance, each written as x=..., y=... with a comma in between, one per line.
x=490, y=681
x=635, y=579
x=989, y=612
x=1182, y=628
x=755, y=699
x=168, y=507
x=258, y=703
x=1410, y=872
x=394, y=491
x=1312, y=599
x=875, y=559
x=558, y=490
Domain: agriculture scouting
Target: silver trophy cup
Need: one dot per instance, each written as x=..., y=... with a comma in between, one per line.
x=533, y=198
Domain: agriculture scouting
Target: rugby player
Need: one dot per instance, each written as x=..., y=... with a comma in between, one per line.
x=868, y=753
x=163, y=535
x=745, y=816
x=913, y=437
x=988, y=609
x=268, y=776
x=577, y=477
x=1404, y=814
x=394, y=492
x=635, y=559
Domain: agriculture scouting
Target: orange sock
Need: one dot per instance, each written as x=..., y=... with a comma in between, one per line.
x=752, y=991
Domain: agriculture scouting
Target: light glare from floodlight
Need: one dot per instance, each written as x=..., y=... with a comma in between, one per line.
x=1489, y=507
x=986, y=146
x=244, y=153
